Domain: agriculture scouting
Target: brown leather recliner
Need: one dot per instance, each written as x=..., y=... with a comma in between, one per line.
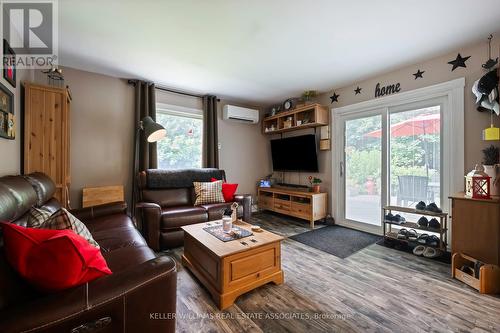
x=140, y=295
x=167, y=203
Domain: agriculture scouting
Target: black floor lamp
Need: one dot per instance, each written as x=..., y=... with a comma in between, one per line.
x=152, y=132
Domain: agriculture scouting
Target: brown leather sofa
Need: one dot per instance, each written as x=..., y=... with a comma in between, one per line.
x=167, y=203
x=140, y=295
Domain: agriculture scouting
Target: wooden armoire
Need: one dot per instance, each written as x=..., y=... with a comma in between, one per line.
x=46, y=135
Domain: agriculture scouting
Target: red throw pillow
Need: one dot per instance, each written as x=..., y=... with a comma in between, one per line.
x=52, y=260
x=228, y=190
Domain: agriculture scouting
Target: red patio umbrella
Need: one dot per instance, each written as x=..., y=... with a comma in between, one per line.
x=420, y=125
x=424, y=124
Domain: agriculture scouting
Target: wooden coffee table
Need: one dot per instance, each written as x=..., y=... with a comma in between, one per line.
x=230, y=269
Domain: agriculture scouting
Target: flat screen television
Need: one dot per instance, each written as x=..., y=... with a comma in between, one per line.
x=298, y=153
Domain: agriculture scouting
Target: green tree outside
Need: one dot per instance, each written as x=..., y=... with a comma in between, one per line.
x=182, y=146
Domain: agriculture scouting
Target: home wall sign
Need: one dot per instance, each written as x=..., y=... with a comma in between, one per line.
x=387, y=90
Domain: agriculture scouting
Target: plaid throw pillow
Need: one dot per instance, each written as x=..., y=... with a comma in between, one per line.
x=36, y=217
x=62, y=219
x=206, y=193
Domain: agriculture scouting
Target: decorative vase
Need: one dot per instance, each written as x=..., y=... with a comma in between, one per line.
x=493, y=172
x=316, y=188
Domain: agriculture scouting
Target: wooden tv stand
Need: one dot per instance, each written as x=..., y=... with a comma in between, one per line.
x=304, y=205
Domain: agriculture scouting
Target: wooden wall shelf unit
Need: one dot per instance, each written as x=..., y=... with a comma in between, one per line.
x=304, y=205
x=309, y=116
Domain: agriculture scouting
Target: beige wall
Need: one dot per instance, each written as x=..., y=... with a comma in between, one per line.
x=10, y=150
x=243, y=152
x=102, y=135
x=102, y=115
x=437, y=70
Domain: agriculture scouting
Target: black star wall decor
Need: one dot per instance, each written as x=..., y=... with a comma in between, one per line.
x=334, y=98
x=419, y=74
x=357, y=90
x=458, y=62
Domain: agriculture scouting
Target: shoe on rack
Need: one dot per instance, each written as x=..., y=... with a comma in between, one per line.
x=389, y=217
x=412, y=235
x=422, y=239
x=432, y=207
x=419, y=250
x=431, y=252
x=434, y=224
x=402, y=234
x=420, y=206
x=423, y=222
x=433, y=241
x=399, y=219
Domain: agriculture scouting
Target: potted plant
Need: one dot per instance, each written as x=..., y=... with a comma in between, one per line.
x=491, y=156
x=308, y=95
x=315, y=184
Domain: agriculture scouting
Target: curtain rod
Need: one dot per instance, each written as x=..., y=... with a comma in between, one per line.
x=133, y=82
x=178, y=92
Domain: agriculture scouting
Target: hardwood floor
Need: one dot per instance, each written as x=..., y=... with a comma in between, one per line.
x=374, y=290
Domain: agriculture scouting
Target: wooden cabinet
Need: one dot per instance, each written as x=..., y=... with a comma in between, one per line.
x=46, y=135
x=304, y=205
x=475, y=229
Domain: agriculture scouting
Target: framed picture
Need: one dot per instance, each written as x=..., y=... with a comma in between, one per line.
x=7, y=118
x=9, y=60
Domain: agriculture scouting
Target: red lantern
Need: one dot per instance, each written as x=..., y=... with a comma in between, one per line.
x=477, y=184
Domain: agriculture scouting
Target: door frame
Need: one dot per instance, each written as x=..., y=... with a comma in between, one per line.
x=452, y=92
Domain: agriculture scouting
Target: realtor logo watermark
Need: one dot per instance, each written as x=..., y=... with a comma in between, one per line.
x=30, y=29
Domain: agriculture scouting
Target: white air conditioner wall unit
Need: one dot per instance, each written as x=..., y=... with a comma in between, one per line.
x=238, y=113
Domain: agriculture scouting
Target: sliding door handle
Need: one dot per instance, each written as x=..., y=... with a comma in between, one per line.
x=341, y=169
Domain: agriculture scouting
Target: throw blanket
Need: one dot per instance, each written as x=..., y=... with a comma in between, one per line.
x=160, y=178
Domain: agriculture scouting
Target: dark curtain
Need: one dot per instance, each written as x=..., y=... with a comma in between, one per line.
x=210, y=135
x=144, y=152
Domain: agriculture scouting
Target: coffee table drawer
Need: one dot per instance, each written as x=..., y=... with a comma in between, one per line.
x=252, y=265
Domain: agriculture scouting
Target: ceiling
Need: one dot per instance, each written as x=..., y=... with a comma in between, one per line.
x=264, y=51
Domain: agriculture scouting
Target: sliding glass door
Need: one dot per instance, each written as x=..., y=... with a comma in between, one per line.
x=415, y=156
x=390, y=156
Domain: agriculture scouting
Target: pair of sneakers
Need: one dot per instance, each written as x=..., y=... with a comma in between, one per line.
x=426, y=251
x=395, y=218
x=428, y=240
x=433, y=223
x=432, y=207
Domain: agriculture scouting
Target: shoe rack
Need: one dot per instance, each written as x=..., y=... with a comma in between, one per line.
x=390, y=232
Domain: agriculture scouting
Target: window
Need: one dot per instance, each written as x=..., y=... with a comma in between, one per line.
x=182, y=146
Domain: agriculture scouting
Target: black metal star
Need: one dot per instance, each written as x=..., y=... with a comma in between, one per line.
x=419, y=74
x=334, y=98
x=458, y=62
x=357, y=90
